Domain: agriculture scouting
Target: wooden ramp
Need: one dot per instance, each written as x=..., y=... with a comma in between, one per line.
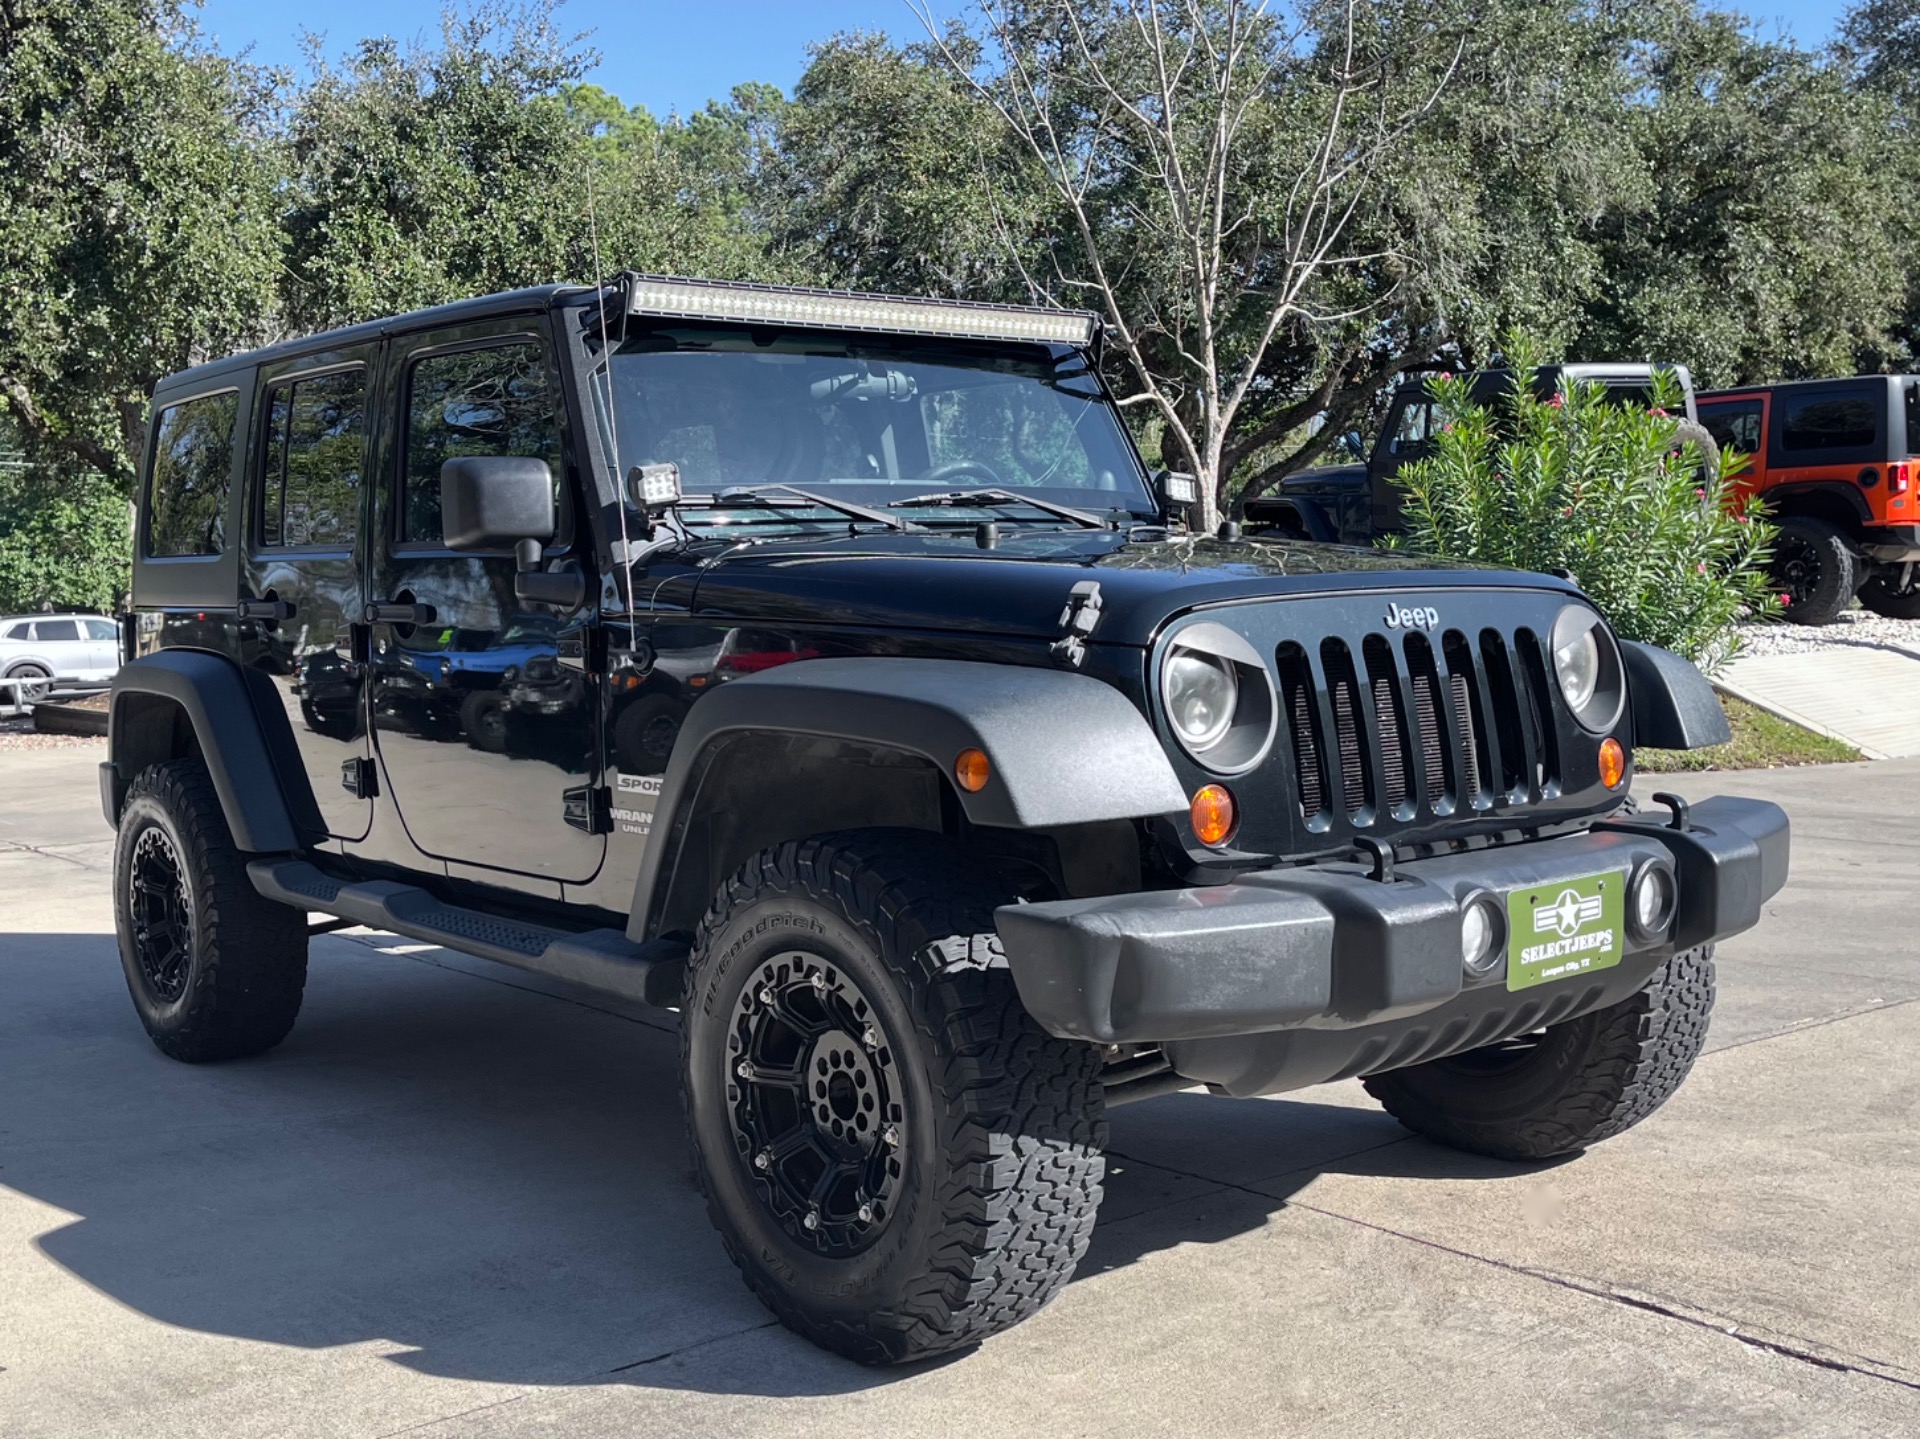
x=1868, y=697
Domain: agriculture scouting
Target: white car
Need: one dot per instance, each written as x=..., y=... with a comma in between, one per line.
x=85, y=648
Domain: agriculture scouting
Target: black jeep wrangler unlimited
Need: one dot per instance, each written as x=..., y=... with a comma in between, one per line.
x=1358, y=502
x=853, y=692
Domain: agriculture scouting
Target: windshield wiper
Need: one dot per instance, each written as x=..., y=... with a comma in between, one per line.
x=960, y=499
x=769, y=497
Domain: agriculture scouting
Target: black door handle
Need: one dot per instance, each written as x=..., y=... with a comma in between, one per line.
x=399, y=614
x=265, y=610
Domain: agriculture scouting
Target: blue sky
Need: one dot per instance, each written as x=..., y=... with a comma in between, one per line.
x=669, y=55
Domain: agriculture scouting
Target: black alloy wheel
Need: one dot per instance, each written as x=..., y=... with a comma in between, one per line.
x=817, y=1103
x=1894, y=592
x=1814, y=569
x=162, y=914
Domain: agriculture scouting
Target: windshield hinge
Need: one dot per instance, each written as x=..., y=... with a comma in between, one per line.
x=1077, y=621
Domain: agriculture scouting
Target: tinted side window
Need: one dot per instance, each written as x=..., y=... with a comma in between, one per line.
x=101, y=629
x=20, y=631
x=316, y=446
x=1837, y=420
x=192, y=470
x=47, y=630
x=1414, y=427
x=473, y=402
x=1734, y=425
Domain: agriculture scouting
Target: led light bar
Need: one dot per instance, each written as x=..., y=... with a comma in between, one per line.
x=666, y=298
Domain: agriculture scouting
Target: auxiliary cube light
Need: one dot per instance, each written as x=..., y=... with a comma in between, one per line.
x=666, y=298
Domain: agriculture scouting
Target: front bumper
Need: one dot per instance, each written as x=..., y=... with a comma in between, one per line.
x=1291, y=977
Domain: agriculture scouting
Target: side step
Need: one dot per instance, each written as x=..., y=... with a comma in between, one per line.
x=600, y=959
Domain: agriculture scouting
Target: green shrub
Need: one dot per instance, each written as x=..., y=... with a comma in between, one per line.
x=1581, y=483
x=64, y=540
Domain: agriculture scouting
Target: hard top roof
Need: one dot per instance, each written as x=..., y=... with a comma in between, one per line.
x=539, y=297
x=1766, y=386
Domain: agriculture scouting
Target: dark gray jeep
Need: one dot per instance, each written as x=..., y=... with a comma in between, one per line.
x=829, y=668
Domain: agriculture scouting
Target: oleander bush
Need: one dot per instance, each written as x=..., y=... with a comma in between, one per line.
x=1581, y=483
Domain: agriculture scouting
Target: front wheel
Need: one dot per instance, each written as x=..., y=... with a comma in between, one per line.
x=35, y=684
x=899, y=1160
x=1565, y=1087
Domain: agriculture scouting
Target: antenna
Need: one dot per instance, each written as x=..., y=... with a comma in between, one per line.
x=606, y=362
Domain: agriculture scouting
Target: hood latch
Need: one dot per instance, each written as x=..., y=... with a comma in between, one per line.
x=1077, y=621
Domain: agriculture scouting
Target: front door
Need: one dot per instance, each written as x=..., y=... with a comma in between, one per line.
x=302, y=570
x=482, y=730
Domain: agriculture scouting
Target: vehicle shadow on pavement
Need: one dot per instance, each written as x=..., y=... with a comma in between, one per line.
x=479, y=1181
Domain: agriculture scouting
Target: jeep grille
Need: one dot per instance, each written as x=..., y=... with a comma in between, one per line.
x=1410, y=727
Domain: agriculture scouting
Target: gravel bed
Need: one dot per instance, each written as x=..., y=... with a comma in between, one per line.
x=17, y=732
x=1855, y=629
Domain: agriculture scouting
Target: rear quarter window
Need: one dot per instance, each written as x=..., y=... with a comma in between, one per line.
x=192, y=474
x=1833, y=420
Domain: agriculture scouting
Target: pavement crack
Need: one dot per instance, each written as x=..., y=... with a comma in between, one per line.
x=666, y=1354
x=1868, y=1368
x=1820, y=1022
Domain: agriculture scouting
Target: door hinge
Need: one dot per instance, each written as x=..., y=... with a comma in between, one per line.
x=357, y=778
x=1077, y=621
x=589, y=808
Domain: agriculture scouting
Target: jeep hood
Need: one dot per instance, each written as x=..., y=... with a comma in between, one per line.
x=942, y=581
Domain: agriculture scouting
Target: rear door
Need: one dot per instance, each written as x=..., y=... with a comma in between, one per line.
x=306, y=520
x=60, y=642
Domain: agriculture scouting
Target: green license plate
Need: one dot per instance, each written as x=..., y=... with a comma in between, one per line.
x=1567, y=928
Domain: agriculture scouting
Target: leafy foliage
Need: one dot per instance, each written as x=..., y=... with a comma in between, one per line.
x=63, y=540
x=1580, y=483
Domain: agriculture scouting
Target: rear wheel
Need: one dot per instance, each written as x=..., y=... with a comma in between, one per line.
x=36, y=684
x=216, y=971
x=1894, y=592
x=1565, y=1087
x=900, y=1161
x=1814, y=568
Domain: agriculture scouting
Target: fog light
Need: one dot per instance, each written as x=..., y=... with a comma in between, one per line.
x=1213, y=814
x=1480, y=933
x=1654, y=892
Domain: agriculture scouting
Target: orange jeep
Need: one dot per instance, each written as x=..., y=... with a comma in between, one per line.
x=1835, y=462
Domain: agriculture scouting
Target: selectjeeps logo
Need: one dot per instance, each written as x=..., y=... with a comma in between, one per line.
x=1564, y=929
x=1412, y=617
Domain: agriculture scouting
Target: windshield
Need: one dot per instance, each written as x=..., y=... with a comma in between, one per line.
x=872, y=421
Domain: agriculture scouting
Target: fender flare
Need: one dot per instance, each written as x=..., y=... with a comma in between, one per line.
x=1062, y=748
x=244, y=737
x=1818, y=499
x=1674, y=706
x=1310, y=515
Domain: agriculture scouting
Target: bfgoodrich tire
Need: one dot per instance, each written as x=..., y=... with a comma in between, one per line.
x=900, y=1161
x=1815, y=568
x=215, y=970
x=1568, y=1086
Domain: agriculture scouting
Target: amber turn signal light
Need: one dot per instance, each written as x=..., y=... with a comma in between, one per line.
x=1213, y=814
x=1613, y=762
x=970, y=767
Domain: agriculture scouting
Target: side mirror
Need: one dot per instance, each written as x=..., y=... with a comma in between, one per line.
x=1355, y=447
x=493, y=502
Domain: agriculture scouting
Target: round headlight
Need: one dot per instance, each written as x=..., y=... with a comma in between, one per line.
x=1587, y=667
x=1576, y=660
x=1200, y=691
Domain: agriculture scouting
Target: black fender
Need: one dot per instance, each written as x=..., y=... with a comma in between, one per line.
x=1062, y=748
x=1836, y=500
x=1674, y=706
x=1301, y=512
x=235, y=721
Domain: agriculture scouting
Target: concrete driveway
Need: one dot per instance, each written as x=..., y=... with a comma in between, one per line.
x=456, y=1202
